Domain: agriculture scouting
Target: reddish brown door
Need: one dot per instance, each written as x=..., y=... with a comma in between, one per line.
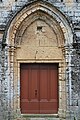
x=29, y=88
x=39, y=88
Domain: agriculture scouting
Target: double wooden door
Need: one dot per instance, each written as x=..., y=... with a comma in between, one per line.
x=39, y=88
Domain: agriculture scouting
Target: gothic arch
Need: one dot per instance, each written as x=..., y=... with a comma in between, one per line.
x=43, y=17
x=29, y=9
x=14, y=33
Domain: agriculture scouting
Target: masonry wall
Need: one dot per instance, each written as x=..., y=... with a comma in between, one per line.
x=71, y=9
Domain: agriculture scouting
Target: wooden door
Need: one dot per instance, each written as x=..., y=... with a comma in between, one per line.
x=48, y=88
x=39, y=88
x=29, y=89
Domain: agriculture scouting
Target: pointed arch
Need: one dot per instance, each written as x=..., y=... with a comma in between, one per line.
x=29, y=9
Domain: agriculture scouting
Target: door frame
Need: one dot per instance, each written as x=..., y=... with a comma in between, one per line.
x=61, y=82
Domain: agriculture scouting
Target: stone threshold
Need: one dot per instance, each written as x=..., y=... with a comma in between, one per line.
x=40, y=115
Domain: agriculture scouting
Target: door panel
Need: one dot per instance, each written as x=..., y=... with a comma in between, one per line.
x=33, y=90
x=43, y=84
x=24, y=89
x=29, y=83
x=39, y=88
x=48, y=89
x=54, y=88
x=43, y=89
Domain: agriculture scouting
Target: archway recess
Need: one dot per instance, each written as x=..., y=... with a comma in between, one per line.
x=38, y=33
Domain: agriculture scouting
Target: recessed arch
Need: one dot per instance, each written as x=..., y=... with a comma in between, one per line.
x=54, y=25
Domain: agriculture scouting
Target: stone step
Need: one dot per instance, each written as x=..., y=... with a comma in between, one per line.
x=42, y=119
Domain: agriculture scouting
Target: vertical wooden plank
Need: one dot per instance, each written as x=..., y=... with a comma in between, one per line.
x=33, y=105
x=23, y=88
x=54, y=88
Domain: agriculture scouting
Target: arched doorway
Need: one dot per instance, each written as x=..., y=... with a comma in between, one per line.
x=37, y=35
x=41, y=42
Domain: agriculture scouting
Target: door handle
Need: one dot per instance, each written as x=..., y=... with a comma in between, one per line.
x=35, y=92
